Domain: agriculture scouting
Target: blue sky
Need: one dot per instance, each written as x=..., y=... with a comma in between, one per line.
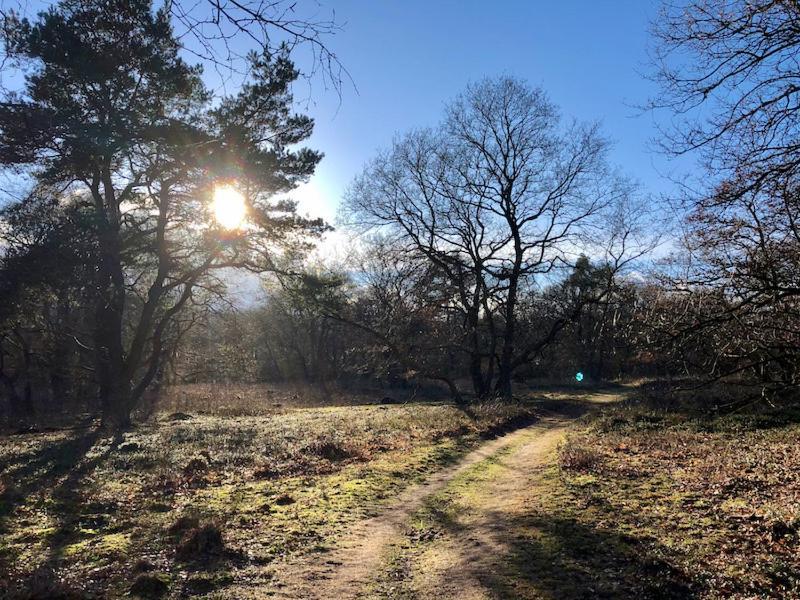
x=407, y=59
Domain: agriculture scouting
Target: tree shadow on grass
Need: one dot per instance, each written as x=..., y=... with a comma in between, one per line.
x=42, y=469
x=570, y=407
x=563, y=408
x=568, y=559
x=55, y=474
x=547, y=556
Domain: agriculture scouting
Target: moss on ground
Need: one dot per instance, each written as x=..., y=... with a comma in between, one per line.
x=634, y=504
x=85, y=512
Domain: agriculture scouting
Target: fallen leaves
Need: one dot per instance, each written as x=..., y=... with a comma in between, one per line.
x=725, y=499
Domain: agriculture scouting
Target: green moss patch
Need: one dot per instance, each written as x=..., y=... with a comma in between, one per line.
x=89, y=509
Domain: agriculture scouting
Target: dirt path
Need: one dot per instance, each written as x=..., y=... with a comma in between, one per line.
x=355, y=569
x=469, y=558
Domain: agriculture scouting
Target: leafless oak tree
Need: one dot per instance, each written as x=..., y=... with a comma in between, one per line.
x=496, y=199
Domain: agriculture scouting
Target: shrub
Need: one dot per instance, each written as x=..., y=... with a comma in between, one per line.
x=42, y=585
x=575, y=456
x=196, y=466
x=183, y=524
x=129, y=447
x=150, y=586
x=284, y=500
x=332, y=449
x=201, y=543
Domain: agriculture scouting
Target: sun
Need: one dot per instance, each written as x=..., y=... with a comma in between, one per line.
x=229, y=206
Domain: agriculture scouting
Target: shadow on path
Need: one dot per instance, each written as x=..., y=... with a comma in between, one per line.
x=547, y=556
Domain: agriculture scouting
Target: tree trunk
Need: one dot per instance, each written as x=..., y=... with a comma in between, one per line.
x=14, y=400
x=22, y=405
x=116, y=396
x=504, y=387
x=506, y=371
x=61, y=365
x=117, y=402
x=454, y=392
x=113, y=378
x=479, y=384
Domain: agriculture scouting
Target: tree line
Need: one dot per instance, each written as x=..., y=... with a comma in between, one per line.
x=499, y=245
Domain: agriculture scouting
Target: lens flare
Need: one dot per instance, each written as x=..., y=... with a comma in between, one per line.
x=229, y=207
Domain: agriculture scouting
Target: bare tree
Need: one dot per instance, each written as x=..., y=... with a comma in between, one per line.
x=730, y=73
x=496, y=199
x=214, y=29
x=392, y=305
x=220, y=33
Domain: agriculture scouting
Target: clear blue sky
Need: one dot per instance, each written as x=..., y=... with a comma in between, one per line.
x=409, y=58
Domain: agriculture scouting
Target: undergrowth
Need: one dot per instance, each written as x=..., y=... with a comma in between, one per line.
x=712, y=494
x=202, y=504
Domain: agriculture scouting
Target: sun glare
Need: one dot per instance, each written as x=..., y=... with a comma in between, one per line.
x=229, y=207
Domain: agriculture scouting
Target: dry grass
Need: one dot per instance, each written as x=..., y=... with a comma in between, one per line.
x=255, y=399
x=86, y=512
x=715, y=500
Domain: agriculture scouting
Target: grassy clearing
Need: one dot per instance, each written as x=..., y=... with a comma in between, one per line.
x=240, y=399
x=203, y=504
x=712, y=502
x=633, y=503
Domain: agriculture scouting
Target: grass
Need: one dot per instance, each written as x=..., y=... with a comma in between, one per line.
x=713, y=499
x=656, y=498
x=239, y=399
x=203, y=504
x=635, y=502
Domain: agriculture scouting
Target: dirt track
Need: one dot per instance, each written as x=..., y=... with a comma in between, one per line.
x=455, y=566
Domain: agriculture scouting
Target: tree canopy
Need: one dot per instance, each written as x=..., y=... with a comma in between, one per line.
x=115, y=130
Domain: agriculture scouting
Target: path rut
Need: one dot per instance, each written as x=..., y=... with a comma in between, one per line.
x=348, y=570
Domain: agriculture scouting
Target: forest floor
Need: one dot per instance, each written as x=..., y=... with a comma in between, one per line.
x=565, y=494
x=376, y=557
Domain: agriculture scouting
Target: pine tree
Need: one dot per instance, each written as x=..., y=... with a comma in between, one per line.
x=112, y=123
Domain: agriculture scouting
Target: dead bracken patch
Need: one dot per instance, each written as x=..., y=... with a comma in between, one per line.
x=41, y=586
x=334, y=450
x=201, y=543
x=179, y=416
x=717, y=497
x=184, y=524
x=266, y=472
x=575, y=455
x=143, y=566
x=196, y=466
